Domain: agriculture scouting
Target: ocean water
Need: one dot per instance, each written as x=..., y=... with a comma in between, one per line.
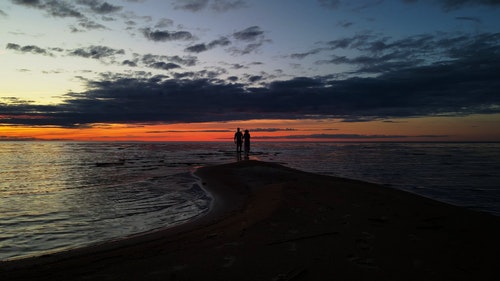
x=61, y=195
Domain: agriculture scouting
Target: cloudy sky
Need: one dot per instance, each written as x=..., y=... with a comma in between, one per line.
x=341, y=70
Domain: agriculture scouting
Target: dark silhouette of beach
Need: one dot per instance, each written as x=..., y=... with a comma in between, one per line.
x=269, y=222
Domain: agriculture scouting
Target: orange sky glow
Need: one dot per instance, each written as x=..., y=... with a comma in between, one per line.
x=177, y=70
x=470, y=128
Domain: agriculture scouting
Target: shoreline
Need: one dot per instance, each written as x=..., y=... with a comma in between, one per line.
x=196, y=181
x=269, y=222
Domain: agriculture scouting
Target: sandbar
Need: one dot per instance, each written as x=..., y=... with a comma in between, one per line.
x=271, y=222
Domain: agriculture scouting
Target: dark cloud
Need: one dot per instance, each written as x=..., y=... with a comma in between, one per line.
x=273, y=129
x=164, y=65
x=460, y=87
x=2, y=13
x=253, y=37
x=422, y=75
x=298, y=83
x=183, y=75
x=86, y=25
x=96, y=52
x=58, y=8
x=214, y=5
x=165, y=35
x=334, y=136
x=55, y=8
x=131, y=63
x=225, y=5
x=162, y=23
x=100, y=7
x=28, y=49
x=330, y=4
x=190, y=5
x=33, y=3
x=366, y=4
x=447, y=5
x=247, y=49
x=383, y=54
x=189, y=131
x=456, y=4
x=167, y=62
x=305, y=54
x=472, y=19
x=109, y=55
x=255, y=78
x=345, y=24
x=198, y=48
x=450, y=5
x=9, y=138
x=249, y=34
x=238, y=66
x=347, y=136
x=186, y=60
x=68, y=9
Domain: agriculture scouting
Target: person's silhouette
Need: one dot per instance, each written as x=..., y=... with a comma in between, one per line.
x=238, y=140
x=246, y=138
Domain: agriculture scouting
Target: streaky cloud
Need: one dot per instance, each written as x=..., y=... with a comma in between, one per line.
x=472, y=19
x=334, y=136
x=198, y=48
x=225, y=5
x=165, y=35
x=272, y=130
x=164, y=65
x=223, y=41
x=348, y=136
x=28, y=49
x=190, y=5
x=253, y=37
x=86, y=25
x=73, y=9
x=100, y=7
x=162, y=23
x=214, y=5
x=249, y=34
x=188, y=131
x=383, y=54
x=451, y=5
x=330, y=4
x=96, y=52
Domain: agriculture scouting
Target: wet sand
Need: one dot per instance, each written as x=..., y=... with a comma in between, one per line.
x=269, y=222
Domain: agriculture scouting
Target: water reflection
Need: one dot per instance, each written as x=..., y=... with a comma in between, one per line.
x=54, y=195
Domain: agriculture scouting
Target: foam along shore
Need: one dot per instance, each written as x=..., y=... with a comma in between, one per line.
x=269, y=222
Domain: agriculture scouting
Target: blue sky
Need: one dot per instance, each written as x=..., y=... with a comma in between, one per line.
x=84, y=62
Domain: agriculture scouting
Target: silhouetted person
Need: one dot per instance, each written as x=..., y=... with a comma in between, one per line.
x=246, y=138
x=238, y=140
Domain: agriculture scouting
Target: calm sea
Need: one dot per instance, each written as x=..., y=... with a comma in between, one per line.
x=60, y=195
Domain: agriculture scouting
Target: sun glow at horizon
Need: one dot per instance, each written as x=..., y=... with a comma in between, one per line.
x=418, y=129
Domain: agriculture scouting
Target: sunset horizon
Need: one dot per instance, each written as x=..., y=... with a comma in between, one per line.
x=249, y=139
x=326, y=70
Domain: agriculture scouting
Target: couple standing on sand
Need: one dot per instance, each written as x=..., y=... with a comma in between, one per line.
x=239, y=137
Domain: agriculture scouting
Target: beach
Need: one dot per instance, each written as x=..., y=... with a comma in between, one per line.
x=270, y=222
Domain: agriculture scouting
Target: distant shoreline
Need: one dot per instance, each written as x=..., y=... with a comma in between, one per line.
x=255, y=139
